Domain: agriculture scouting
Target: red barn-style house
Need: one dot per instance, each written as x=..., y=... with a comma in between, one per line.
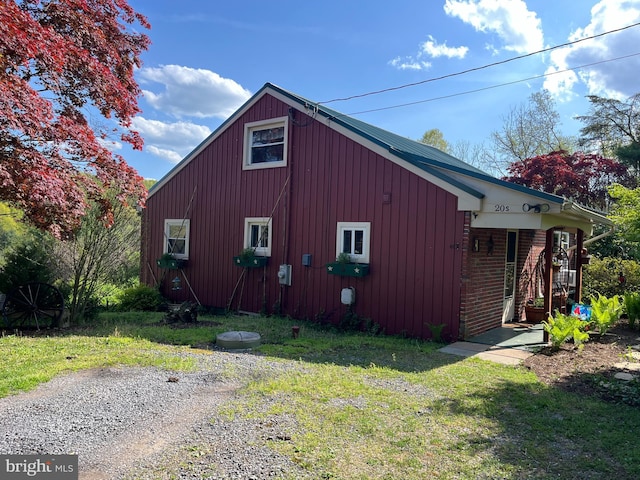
x=428, y=243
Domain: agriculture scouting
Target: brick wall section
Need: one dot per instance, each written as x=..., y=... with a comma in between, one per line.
x=530, y=246
x=464, y=273
x=483, y=283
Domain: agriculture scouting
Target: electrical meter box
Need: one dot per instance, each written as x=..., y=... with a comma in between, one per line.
x=284, y=275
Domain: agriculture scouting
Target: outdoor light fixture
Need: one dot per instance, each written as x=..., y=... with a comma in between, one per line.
x=176, y=283
x=539, y=208
x=490, y=245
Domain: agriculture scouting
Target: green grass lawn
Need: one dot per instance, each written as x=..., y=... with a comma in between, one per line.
x=369, y=407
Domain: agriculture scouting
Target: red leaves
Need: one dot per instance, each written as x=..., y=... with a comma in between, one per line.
x=59, y=59
x=583, y=177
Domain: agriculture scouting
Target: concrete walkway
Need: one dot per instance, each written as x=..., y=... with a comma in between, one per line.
x=506, y=356
x=508, y=345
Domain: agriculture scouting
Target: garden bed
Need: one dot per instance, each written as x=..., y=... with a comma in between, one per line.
x=581, y=371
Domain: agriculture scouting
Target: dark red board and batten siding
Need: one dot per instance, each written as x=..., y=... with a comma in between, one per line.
x=416, y=229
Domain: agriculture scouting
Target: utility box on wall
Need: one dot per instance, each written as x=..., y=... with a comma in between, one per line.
x=284, y=275
x=348, y=296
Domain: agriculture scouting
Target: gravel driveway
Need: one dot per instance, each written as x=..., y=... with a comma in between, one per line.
x=147, y=423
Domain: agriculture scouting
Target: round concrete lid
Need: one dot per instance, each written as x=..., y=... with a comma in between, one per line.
x=238, y=340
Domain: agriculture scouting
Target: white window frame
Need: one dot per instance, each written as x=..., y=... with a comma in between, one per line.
x=251, y=127
x=353, y=226
x=179, y=222
x=249, y=223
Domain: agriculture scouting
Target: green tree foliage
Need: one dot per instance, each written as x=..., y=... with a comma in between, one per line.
x=610, y=124
x=435, y=138
x=625, y=213
x=99, y=254
x=630, y=155
x=11, y=229
x=531, y=129
x=28, y=261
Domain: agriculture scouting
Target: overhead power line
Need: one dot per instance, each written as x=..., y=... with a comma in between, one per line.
x=475, y=69
x=535, y=77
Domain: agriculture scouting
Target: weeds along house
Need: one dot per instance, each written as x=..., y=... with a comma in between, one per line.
x=434, y=242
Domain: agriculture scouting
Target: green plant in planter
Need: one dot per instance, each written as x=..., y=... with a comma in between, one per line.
x=605, y=312
x=247, y=258
x=537, y=302
x=344, y=257
x=562, y=328
x=247, y=254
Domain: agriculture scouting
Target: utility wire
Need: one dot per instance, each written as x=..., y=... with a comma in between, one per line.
x=433, y=79
x=492, y=86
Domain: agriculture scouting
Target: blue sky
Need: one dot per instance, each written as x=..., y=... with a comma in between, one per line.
x=207, y=58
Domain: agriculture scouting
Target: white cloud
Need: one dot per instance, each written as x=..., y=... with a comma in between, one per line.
x=518, y=27
x=432, y=49
x=172, y=156
x=111, y=145
x=192, y=92
x=171, y=141
x=617, y=79
x=435, y=50
x=409, y=63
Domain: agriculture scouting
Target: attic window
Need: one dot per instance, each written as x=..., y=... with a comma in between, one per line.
x=265, y=144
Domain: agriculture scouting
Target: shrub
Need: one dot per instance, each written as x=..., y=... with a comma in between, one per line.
x=29, y=261
x=605, y=312
x=140, y=298
x=563, y=328
x=602, y=276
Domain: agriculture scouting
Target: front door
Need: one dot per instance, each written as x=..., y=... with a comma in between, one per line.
x=508, y=308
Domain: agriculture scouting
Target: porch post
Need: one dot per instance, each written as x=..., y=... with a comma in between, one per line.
x=577, y=296
x=548, y=278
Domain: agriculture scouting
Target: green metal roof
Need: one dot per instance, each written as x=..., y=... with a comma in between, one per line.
x=425, y=157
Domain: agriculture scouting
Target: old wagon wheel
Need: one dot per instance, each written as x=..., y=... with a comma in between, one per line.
x=35, y=304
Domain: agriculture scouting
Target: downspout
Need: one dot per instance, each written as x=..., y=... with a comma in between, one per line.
x=596, y=238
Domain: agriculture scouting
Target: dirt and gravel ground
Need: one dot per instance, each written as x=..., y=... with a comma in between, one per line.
x=130, y=423
x=573, y=369
x=147, y=423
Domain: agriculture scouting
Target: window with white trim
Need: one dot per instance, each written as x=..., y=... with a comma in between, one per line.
x=257, y=235
x=265, y=144
x=176, y=236
x=353, y=238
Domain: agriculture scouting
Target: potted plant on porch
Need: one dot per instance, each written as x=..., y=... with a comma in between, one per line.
x=534, y=310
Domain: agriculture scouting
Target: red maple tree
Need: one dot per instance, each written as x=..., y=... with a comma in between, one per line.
x=61, y=61
x=582, y=177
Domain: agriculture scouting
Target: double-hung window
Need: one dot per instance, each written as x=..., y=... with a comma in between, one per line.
x=353, y=239
x=265, y=144
x=176, y=235
x=257, y=235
